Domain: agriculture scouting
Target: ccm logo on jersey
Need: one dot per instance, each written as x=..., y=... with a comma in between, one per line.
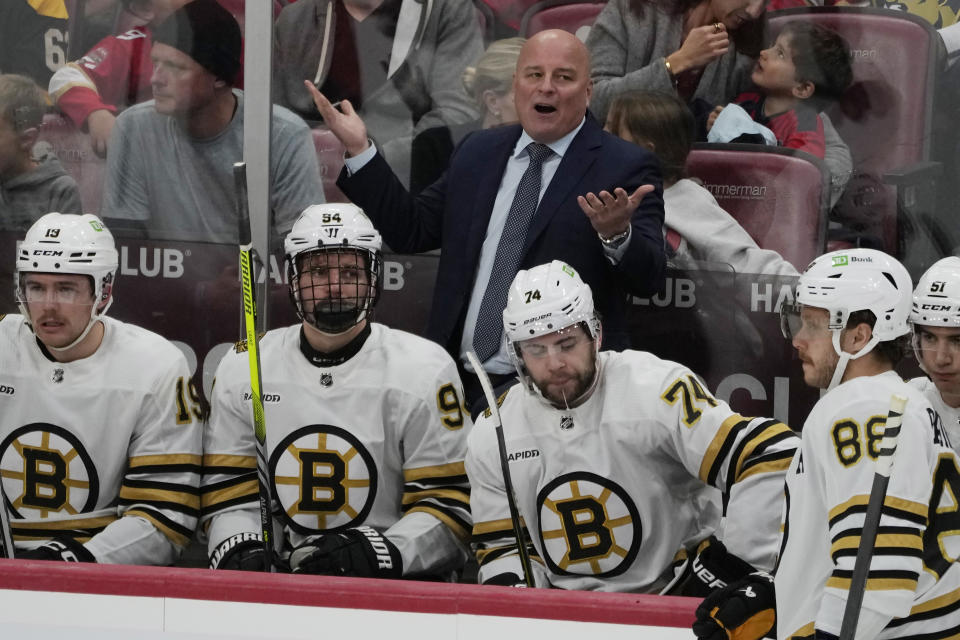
x=523, y=455
x=706, y=576
x=267, y=397
x=6, y=390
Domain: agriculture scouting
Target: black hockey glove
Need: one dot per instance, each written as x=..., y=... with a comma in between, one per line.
x=713, y=568
x=363, y=552
x=61, y=548
x=239, y=552
x=743, y=610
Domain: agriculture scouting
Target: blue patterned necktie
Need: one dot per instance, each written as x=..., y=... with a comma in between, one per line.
x=489, y=331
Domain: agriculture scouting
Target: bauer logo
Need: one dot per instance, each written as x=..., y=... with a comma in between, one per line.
x=840, y=261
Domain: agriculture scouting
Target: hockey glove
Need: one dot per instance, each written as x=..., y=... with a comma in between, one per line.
x=61, y=548
x=363, y=552
x=713, y=568
x=744, y=610
x=239, y=552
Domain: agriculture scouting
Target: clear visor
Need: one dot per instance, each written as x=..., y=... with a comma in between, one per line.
x=56, y=293
x=945, y=342
x=790, y=320
x=554, y=344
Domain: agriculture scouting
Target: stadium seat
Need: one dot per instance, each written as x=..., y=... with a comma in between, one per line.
x=508, y=14
x=330, y=158
x=575, y=17
x=886, y=119
x=778, y=195
x=75, y=152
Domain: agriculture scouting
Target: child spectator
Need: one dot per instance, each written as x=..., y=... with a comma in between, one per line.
x=32, y=181
x=806, y=68
x=695, y=225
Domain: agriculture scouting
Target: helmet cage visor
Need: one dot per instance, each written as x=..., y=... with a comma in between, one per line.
x=335, y=288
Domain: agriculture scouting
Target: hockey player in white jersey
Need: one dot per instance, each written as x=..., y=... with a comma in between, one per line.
x=936, y=341
x=99, y=454
x=850, y=328
x=366, y=432
x=616, y=459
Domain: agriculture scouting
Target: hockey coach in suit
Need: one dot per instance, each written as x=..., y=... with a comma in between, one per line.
x=597, y=205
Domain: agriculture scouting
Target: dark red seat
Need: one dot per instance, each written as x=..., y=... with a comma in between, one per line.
x=575, y=17
x=330, y=158
x=778, y=195
x=885, y=118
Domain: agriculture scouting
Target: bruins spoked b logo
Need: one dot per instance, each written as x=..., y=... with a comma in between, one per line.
x=588, y=526
x=46, y=471
x=324, y=479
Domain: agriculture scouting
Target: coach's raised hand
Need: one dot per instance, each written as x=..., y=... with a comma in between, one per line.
x=345, y=124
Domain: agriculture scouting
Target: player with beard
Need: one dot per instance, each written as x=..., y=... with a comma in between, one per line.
x=936, y=341
x=366, y=432
x=623, y=464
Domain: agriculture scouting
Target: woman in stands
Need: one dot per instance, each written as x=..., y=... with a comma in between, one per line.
x=490, y=83
x=697, y=228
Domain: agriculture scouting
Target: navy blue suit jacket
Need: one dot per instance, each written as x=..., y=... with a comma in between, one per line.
x=453, y=213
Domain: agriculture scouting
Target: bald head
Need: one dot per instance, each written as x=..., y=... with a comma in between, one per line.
x=552, y=86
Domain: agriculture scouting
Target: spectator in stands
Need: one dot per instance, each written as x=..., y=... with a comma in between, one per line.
x=32, y=182
x=113, y=75
x=703, y=231
x=398, y=62
x=554, y=186
x=33, y=38
x=490, y=83
x=170, y=166
x=806, y=69
x=685, y=45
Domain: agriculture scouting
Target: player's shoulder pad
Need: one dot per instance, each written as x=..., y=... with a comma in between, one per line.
x=487, y=413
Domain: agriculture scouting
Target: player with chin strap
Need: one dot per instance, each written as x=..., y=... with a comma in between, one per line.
x=616, y=459
x=99, y=455
x=849, y=325
x=366, y=432
x=935, y=318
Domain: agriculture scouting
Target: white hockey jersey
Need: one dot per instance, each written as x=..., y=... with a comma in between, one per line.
x=378, y=440
x=949, y=415
x=105, y=449
x=913, y=586
x=612, y=490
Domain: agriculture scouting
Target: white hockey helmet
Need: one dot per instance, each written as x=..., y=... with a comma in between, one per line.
x=70, y=244
x=543, y=300
x=334, y=229
x=936, y=300
x=846, y=281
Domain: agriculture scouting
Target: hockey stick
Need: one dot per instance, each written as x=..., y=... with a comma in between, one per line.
x=7, y=550
x=871, y=522
x=247, y=258
x=504, y=467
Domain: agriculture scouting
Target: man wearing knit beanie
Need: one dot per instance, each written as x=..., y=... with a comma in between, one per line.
x=169, y=169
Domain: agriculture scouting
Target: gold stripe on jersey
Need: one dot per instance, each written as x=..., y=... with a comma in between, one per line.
x=879, y=580
x=160, y=497
x=486, y=556
x=81, y=528
x=904, y=542
x=931, y=610
x=892, y=506
x=459, y=495
x=228, y=461
x=437, y=471
x=50, y=9
x=774, y=466
x=803, y=633
x=236, y=490
x=177, y=534
x=458, y=528
x=769, y=434
x=722, y=442
x=166, y=460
